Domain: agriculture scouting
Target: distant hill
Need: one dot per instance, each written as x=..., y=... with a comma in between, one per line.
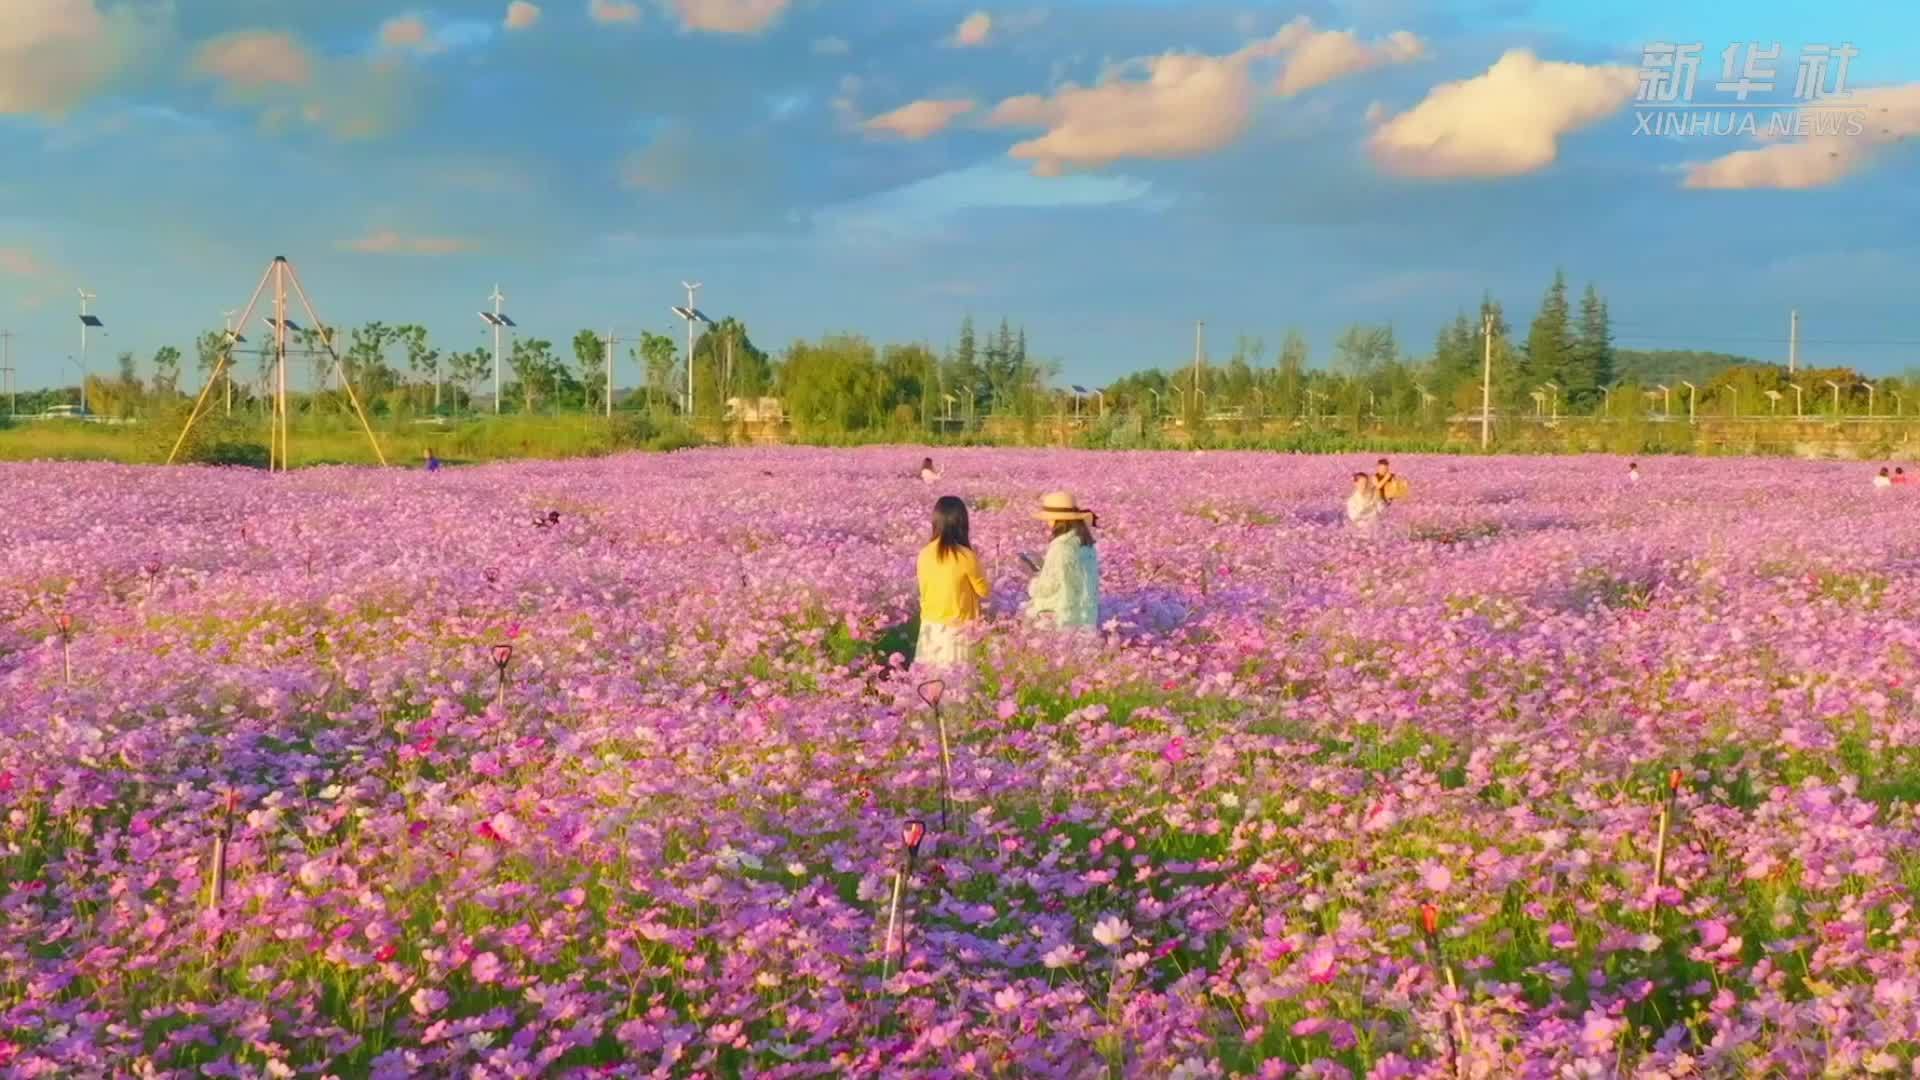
x=1657, y=365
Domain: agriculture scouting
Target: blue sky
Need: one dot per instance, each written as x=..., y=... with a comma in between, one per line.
x=1103, y=173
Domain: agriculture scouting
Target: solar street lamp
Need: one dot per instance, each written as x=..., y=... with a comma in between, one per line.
x=1836, y=397
x=1869, y=387
x=86, y=320
x=1693, y=394
x=498, y=320
x=1553, y=398
x=1773, y=402
x=1799, y=399
x=692, y=315
x=1666, y=398
x=1896, y=401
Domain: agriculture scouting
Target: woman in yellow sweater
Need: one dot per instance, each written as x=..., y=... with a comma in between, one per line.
x=951, y=588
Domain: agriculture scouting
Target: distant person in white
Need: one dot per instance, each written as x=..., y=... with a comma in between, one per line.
x=1363, y=503
x=928, y=474
x=1633, y=472
x=1884, y=480
x=1066, y=591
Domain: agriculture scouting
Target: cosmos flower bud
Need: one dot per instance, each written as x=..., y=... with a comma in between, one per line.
x=1673, y=781
x=1429, y=919
x=912, y=833
x=64, y=621
x=502, y=655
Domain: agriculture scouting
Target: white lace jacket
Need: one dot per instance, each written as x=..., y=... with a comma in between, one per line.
x=1067, y=589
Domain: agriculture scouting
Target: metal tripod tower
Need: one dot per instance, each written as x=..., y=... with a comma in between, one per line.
x=282, y=275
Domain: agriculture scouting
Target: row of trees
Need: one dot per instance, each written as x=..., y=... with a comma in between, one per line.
x=1565, y=363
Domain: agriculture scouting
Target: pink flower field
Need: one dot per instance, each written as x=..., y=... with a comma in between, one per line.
x=1553, y=776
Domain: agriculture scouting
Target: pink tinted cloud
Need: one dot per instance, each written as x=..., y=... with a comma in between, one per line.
x=389, y=242
x=729, y=16
x=1506, y=121
x=973, y=31
x=1826, y=154
x=251, y=59
x=920, y=119
x=522, y=15
x=20, y=262
x=1317, y=57
x=613, y=11
x=409, y=33
x=55, y=54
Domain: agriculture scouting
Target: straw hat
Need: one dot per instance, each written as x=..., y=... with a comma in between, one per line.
x=1059, y=506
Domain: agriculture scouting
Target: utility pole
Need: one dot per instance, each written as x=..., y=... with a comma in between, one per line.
x=1793, y=342
x=1199, y=353
x=1486, y=388
x=612, y=343
x=6, y=367
x=227, y=368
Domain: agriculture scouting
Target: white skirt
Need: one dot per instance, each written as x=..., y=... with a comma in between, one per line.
x=943, y=646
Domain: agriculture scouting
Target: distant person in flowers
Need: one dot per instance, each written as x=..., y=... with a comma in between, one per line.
x=1388, y=486
x=1884, y=479
x=1900, y=476
x=928, y=474
x=1633, y=472
x=433, y=463
x=1363, y=503
x=951, y=588
x=1066, y=590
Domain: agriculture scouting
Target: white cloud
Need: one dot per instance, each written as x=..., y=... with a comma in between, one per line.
x=55, y=54
x=1504, y=122
x=389, y=242
x=728, y=16
x=973, y=31
x=613, y=11
x=522, y=15
x=919, y=119
x=1187, y=104
x=1888, y=115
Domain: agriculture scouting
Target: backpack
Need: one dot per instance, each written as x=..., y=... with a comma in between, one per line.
x=1396, y=488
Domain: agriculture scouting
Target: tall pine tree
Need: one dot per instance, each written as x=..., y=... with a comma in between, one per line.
x=1550, y=342
x=1594, y=346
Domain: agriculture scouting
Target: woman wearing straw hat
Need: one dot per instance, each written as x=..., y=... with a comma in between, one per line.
x=1066, y=591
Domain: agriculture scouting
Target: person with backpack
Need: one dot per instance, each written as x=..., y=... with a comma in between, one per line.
x=1390, y=486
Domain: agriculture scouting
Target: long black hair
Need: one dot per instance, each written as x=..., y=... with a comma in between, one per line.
x=950, y=525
